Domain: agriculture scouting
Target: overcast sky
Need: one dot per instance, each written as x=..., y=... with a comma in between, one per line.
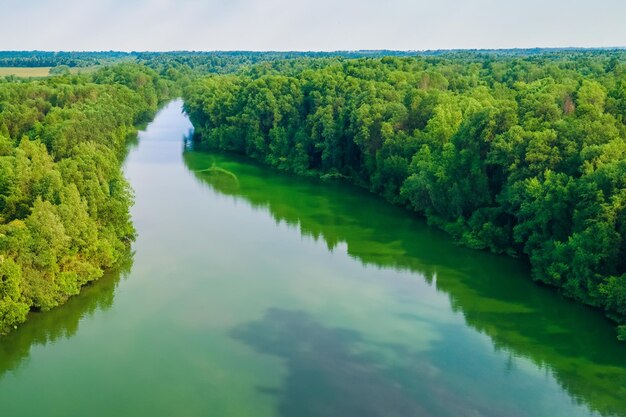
x=160, y=25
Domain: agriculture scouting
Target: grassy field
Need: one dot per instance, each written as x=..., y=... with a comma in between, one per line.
x=27, y=72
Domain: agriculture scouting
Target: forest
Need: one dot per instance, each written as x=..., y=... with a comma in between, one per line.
x=64, y=203
x=519, y=152
x=516, y=153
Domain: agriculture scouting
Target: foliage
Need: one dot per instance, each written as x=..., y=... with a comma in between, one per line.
x=60, y=70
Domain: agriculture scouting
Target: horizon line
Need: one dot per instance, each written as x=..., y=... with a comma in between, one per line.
x=322, y=51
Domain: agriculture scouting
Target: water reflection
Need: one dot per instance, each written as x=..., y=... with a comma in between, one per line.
x=494, y=294
x=333, y=372
x=321, y=361
x=61, y=323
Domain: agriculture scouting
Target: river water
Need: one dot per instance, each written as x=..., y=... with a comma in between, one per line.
x=254, y=293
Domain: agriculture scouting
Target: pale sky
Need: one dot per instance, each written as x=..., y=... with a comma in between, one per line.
x=328, y=25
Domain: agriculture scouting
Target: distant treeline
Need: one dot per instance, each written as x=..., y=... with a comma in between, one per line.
x=229, y=61
x=517, y=154
x=53, y=59
x=64, y=203
x=210, y=61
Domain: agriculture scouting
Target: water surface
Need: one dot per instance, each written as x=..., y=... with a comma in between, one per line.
x=253, y=293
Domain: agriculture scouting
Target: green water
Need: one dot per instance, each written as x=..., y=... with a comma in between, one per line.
x=251, y=293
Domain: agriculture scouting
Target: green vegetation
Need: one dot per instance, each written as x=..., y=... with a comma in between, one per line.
x=60, y=70
x=63, y=200
x=522, y=155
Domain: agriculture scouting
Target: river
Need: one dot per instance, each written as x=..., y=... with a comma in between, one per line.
x=254, y=293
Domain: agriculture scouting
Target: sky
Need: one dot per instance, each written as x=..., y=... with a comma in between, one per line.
x=309, y=25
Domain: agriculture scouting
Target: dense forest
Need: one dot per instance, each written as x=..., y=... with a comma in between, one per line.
x=513, y=153
x=64, y=203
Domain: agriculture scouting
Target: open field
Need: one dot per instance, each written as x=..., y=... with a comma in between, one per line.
x=28, y=72
x=25, y=71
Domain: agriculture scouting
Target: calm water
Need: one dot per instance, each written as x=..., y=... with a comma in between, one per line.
x=252, y=293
